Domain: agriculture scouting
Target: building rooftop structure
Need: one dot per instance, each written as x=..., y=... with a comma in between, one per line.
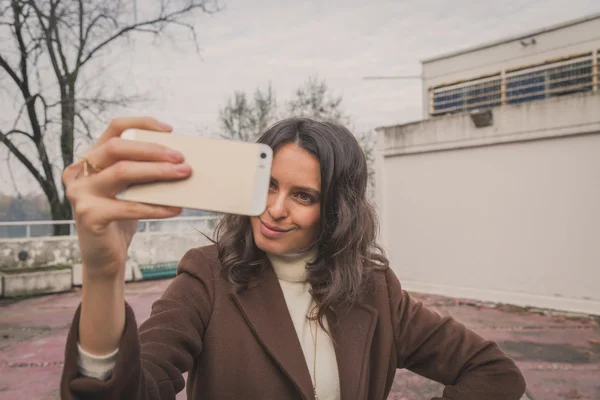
x=493, y=195
x=549, y=62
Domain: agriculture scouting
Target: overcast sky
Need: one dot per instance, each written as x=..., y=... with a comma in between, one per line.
x=251, y=43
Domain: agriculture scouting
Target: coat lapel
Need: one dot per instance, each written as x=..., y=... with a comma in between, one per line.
x=353, y=335
x=265, y=311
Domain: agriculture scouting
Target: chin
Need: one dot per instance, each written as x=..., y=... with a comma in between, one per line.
x=269, y=246
x=276, y=247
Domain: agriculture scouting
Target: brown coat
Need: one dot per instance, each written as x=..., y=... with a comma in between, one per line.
x=244, y=346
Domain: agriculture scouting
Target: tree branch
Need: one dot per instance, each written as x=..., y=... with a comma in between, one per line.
x=24, y=160
x=11, y=72
x=53, y=27
x=4, y=10
x=20, y=112
x=88, y=131
x=37, y=133
x=18, y=131
x=81, y=37
x=48, y=37
x=168, y=18
x=18, y=26
x=46, y=107
x=194, y=34
x=36, y=43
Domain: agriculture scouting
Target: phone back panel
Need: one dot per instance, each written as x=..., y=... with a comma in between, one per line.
x=227, y=176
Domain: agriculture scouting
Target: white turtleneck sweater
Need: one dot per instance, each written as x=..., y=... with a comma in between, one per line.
x=291, y=273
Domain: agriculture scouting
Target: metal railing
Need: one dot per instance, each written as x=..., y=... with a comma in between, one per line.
x=38, y=229
x=27, y=229
x=577, y=74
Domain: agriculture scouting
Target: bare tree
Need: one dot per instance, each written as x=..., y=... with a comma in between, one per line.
x=314, y=100
x=47, y=52
x=368, y=142
x=242, y=119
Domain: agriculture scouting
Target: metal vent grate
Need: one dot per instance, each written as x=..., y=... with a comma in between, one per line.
x=577, y=74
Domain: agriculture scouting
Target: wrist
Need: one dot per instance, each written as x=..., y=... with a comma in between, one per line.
x=102, y=275
x=102, y=317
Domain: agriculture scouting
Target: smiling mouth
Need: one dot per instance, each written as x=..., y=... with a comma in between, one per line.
x=274, y=228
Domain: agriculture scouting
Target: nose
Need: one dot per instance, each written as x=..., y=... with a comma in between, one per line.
x=276, y=206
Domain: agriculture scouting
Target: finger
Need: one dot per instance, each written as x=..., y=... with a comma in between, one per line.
x=119, y=176
x=114, y=129
x=117, y=149
x=118, y=125
x=94, y=211
x=71, y=172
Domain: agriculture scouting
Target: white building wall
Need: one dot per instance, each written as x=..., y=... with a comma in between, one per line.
x=508, y=213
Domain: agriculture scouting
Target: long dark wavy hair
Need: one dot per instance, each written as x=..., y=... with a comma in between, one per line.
x=347, y=249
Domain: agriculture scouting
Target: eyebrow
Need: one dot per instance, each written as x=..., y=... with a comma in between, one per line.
x=314, y=192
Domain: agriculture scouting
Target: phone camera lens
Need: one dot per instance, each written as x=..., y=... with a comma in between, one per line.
x=263, y=155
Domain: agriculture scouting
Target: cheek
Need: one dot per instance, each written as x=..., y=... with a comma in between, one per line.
x=308, y=218
x=255, y=223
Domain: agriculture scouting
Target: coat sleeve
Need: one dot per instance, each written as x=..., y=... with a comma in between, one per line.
x=444, y=350
x=151, y=361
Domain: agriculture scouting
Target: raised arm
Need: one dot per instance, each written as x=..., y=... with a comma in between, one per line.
x=444, y=350
x=105, y=228
x=149, y=365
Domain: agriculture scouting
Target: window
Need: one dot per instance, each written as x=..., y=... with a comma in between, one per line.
x=482, y=93
x=525, y=87
x=577, y=74
x=570, y=76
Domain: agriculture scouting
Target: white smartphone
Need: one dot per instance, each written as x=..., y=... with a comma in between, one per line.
x=228, y=176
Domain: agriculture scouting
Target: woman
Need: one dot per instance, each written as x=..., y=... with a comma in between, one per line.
x=298, y=303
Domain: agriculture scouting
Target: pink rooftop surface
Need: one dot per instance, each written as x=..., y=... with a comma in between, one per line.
x=558, y=353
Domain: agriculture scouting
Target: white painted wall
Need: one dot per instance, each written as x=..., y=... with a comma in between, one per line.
x=498, y=214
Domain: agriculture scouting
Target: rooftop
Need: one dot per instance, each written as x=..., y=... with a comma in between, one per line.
x=515, y=37
x=558, y=353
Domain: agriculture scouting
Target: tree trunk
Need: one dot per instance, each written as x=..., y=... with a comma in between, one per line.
x=67, y=137
x=60, y=212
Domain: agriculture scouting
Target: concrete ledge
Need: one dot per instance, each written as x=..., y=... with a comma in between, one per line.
x=574, y=114
x=36, y=281
x=146, y=248
x=585, y=306
x=132, y=273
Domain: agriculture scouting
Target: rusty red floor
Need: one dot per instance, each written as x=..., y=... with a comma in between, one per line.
x=558, y=353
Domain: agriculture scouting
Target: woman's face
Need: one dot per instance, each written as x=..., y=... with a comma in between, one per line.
x=291, y=220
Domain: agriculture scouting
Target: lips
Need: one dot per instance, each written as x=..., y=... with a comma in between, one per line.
x=274, y=228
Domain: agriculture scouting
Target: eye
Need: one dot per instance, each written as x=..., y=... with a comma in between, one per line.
x=305, y=197
x=272, y=186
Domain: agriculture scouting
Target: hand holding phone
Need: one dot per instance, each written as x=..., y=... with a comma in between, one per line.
x=106, y=225
x=139, y=160
x=227, y=176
